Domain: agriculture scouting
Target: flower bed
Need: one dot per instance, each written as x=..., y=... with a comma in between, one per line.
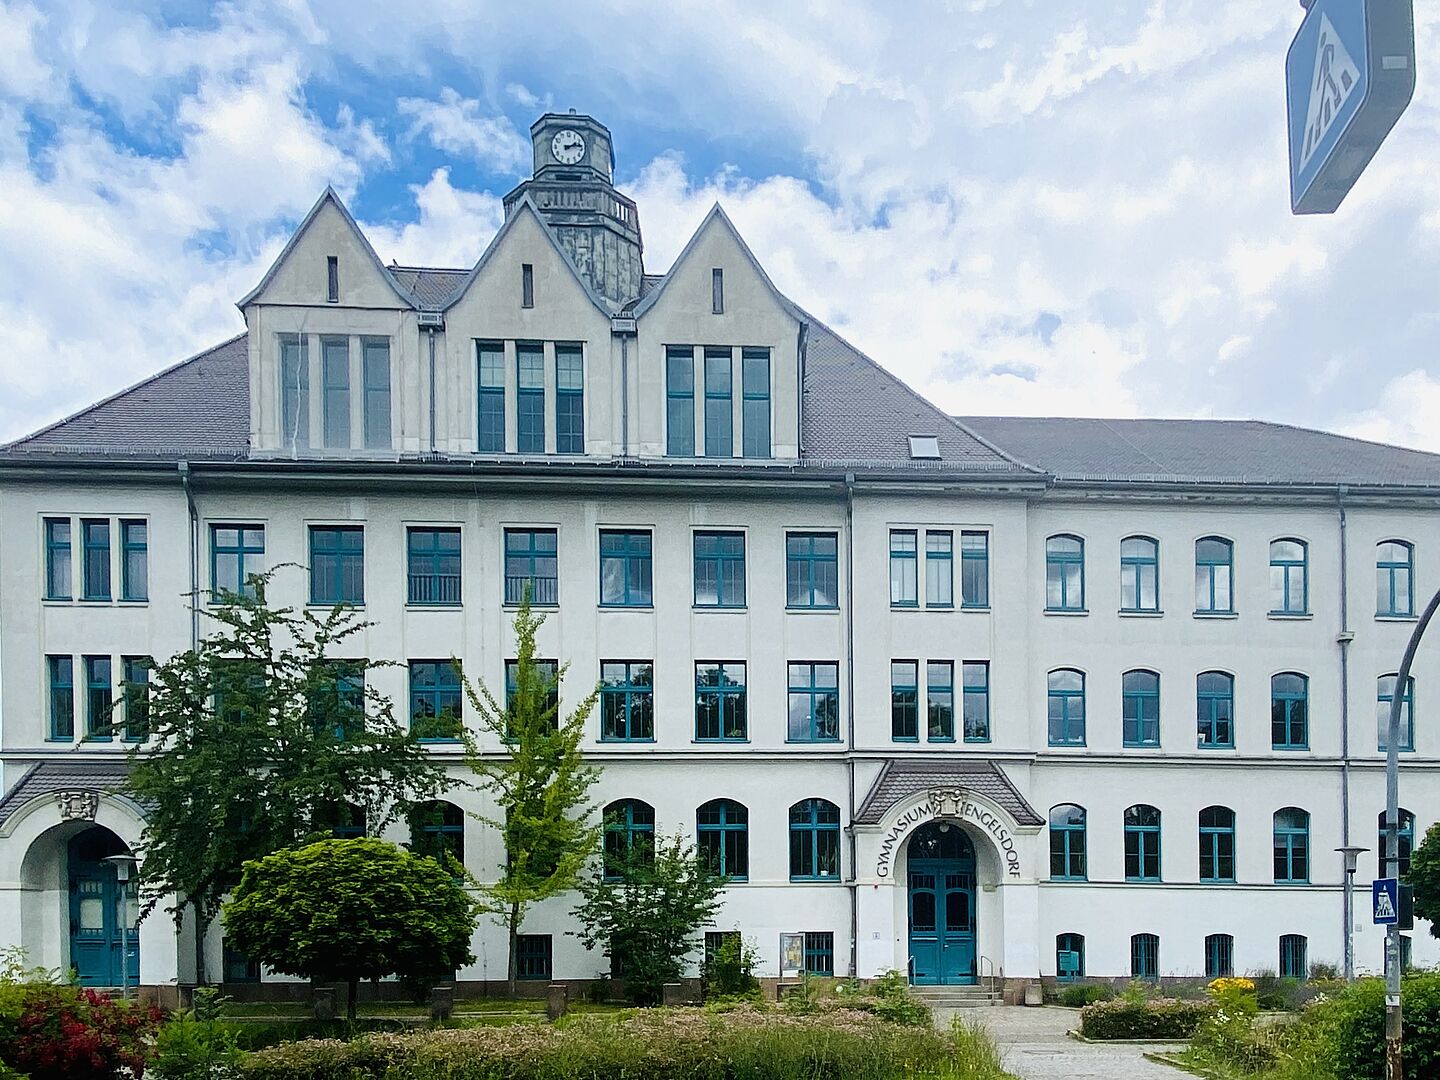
x=1157, y=1018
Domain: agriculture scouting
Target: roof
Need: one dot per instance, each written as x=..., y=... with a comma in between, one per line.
x=431, y=287
x=903, y=779
x=1239, y=452
x=53, y=777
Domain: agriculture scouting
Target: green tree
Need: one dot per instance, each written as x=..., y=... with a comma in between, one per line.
x=1424, y=878
x=540, y=784
x=346, y=910
x=644, y=907
x=260, y=738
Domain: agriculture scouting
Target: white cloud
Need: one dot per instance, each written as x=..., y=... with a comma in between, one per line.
x=1407, y=414
x=23, y=73
x=453, y=228
x=455, y=125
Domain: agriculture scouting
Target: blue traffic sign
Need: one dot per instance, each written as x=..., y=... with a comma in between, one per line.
x=1385, y=898
x=1349, y=74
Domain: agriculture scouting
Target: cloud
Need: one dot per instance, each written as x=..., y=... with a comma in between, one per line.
x=455, y=125
x=453, y=228
x=1405, y=414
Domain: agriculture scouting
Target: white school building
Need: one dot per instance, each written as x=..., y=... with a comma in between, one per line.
x=959, y=696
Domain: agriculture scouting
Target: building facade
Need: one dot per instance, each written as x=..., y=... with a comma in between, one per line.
x=965, y=697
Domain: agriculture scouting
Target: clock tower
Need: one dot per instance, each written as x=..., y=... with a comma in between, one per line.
x=598, y=228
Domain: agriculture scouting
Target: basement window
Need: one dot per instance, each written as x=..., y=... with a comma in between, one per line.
x=924, y=447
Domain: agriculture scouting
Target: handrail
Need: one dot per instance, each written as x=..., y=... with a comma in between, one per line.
x=990, y=986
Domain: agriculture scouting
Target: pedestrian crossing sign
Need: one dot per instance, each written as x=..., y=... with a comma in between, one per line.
x=1385, y=893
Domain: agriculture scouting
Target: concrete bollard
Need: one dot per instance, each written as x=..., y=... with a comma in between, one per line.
x=324, y=1002
x=557, y=1000
x=442, y=1001
x=672, y=994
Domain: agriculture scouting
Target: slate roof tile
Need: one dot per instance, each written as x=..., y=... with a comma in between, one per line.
x=905, y=779
x=52, y=777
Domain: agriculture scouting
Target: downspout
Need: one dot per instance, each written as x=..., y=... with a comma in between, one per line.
x=1343, y=639
x=854, y=886
x=184, y=468
x=433, y=442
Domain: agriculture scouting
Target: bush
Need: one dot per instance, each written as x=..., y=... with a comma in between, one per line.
x=729, y=971
x=69, y=1033
x=889, y=998
x=197, y=1045
x=1077, y=997
x=1157, y=1018
x=1276, y=994
x=1357, y=1019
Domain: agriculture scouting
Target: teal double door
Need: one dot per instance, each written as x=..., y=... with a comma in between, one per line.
x=941, y=904
x=104, y=941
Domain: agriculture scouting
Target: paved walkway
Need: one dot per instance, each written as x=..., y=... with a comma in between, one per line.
x=1034, y=1046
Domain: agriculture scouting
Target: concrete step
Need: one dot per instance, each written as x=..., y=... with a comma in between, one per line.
x=956, y=997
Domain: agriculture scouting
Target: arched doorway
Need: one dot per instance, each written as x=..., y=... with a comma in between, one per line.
x=941, y=868
x=99, y=908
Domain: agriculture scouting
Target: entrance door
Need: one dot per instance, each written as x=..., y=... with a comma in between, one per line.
x=942, y=905
x=97, y=914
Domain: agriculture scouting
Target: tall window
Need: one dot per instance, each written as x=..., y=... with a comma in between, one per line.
x=57, y=558
x=530, y=397
x=547, y=678
x=1293, y=964
x=237, y=552
x=814, y=702
x=1139, y=574
x=1289, y=711
x=1142, y=843
x=335, y=383
x=902, y=568
x=433, y=558
x=134, y=560
x=527, y=285
x=720, y=569
x=940, y=700
x=811, y=570
x=437, y=829
x=720, y=702
x=1406, y=821
x=755, y=406
x=375, y=370
x=629, y=827
x=1140, y=707
x=625, y=570
x=1219, y=956
x=939, y=569
x=569, y=399
x=904, y=700
x=976, y=700
x=1214, y=568
x=295, y=389
x=1289, y=577
x=337, y=698
x=62, y=697
x=1064, y=574
x=1394, y=578
x=719, y=415
x=534, y=953
x=1066, y=707
x=814, y=841
x=1292, y=846
x=1217, y=844
x=1215, y=709
x=1144, y=956
x=337, y=564
x=680, y=401
x=491, y=360
x=99, y=698
x=722, y=829
x=820, y=952
x=95, y=538
x=1070, y=956
x=1067, y=843
x=974, y=569
x=627, y=701
x=532, y=562
x=436, y=701
x=135, y=686
x=332, y=279
x=1384, y=695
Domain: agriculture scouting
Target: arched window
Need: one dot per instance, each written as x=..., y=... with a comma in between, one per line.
x=1293, y=948
x=722, y=828
x=1215, y=709
x=1292, y=846
x=1139, y=574
x=629, y=827
x=1219, y=956
x=1142, y=843
x=1289, y=577
x=1067, y=843
x=1217, y=844
x=1144, y=956
x=814, y=841
x=437, y=828
x=1064, y=573
x=1214, y=569
x=1394, y=578
x=1067, y=707
x=1405, y=847
x=1289, y=711
x=1140, y=708
x=1384, y=695
x=1070, y=956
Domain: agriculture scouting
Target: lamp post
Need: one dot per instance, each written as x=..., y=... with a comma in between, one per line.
x=1352, y=858
x=124, y=865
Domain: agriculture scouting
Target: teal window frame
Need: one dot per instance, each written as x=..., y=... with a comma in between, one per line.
x=1064, y=572
x=1292, y=846
x=295, y=389
x=1143, y=843
x=534, y=957
x=975, y=700
x=1219, y=956
x=905, y=700
x=1215, y=710
x=437, y=701
x=490, y=378
x=1395, y=579
x=1217, y=845
x=814, y=841
x=1065, y=707
x=337, y=564
x=719, y=568
x=812, y=571
x=1140, y=574
x=939, y=568
x=721, y=714
x=680, y=401
x=95, y=550
x=1140, y=707
x=755, y=403
x=627, y=576
x=135, y=692
x=627, y=701
x=1406, y=821
x=939, y=701
x=904, y=568
x=134, y=559
x=820, y=953
x=629, y=823
x=1145, y=957
x=375, y=400
x=1289, y=711
x=532, y=558
x=1069, y=957
x=549, y=672
x=974, y=570
x=59, y=558
x=99, y=698
x=1289, y=576
x=1294, y=957
x=719, y=403
x=1383, y=698
x=438, y=826
x=1214, y=576
x=814, y=701
x=569, y=398
x=722, y=834
x=248, y=542
x=1069, y=857
x=61, y=678
x=335, y=392
x=433, y=562
x=338, y=689
x=529, y=397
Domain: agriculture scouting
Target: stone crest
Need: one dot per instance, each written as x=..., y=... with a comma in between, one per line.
x=78, y=805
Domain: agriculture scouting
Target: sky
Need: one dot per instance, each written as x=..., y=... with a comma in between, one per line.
x=1029, y=207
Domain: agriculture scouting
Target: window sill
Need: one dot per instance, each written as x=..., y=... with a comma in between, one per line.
x=802, y=609
x=1213, y=747
x=813, y=742
x=1217, y=614
x=1290, y=749
x=1066, y=611
x=1140, y=746
x=440, y=741
x=626, y=742
x=1140, y=613
x=61, y=740
x=908, y=739
x=412, y=606
x=1396, y=618
x=133, y=601
x=1069, y=880
x=626, y=607
x=979, y=608
x=58, y=601
x=1217, y=881
x=1290, y=616
x=331, y=605
x=828, y=880
x=514, y=605
x=717, y=607
x=720, y=742
x=1066, y=746
x=95, y=600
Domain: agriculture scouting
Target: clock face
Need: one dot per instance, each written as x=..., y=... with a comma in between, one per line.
x=568, y=147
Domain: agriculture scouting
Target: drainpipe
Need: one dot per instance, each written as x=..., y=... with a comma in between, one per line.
x=184, y=468
x=850, y=719
x=1344, y=639
x=433, y=443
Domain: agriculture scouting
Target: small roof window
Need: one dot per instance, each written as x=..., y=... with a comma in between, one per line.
x=924, y=446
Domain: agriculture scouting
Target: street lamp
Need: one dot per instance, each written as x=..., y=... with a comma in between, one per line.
x=124, y=865
x=1352, y=857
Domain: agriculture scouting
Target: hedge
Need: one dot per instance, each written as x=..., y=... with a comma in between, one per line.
x=1357, y=1019
x=1158, y=1018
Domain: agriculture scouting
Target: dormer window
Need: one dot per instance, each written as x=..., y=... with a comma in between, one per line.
x=923, y=447
x=332, y=279
x=527, y=285
x=717, y=291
